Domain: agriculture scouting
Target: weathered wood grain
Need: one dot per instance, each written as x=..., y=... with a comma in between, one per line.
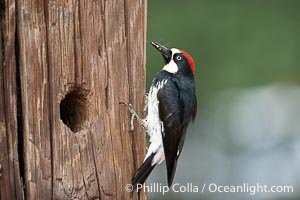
x=10, y=179
x=91, y=56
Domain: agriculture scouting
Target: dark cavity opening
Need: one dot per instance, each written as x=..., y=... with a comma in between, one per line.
x=74, y=109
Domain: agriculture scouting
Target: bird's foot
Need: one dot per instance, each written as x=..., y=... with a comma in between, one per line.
x=134, y=115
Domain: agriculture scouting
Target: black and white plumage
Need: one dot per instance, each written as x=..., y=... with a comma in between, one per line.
x=171, y=106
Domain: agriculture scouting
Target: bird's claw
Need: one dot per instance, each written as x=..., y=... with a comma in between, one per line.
x=134, y=115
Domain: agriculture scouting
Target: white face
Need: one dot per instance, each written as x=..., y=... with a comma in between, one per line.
x=172, y=67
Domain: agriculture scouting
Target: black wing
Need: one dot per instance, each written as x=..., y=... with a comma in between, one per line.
x=177, y=107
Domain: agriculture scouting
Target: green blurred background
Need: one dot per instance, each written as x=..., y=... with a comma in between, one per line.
x=247, y=55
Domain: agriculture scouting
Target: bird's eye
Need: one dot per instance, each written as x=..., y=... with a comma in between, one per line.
x=178, y=57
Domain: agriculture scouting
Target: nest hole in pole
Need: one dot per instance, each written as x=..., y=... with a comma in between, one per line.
x=75, y=109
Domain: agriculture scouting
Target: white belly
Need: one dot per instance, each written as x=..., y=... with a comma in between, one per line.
x=154, y=125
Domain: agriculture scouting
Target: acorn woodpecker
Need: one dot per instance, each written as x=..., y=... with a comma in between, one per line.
x=171, y=105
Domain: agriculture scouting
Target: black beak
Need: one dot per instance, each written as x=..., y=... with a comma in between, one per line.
x=165, y=52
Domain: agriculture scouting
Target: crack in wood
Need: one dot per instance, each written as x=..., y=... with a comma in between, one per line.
x=95, y=164
x=20, y=141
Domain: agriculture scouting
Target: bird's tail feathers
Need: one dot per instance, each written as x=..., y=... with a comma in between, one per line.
x=142, y=174
x=171, y=169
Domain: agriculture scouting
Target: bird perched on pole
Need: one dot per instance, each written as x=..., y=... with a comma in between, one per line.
x=171, y=105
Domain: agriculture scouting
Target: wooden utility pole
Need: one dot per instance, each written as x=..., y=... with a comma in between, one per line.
x=64, y=67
